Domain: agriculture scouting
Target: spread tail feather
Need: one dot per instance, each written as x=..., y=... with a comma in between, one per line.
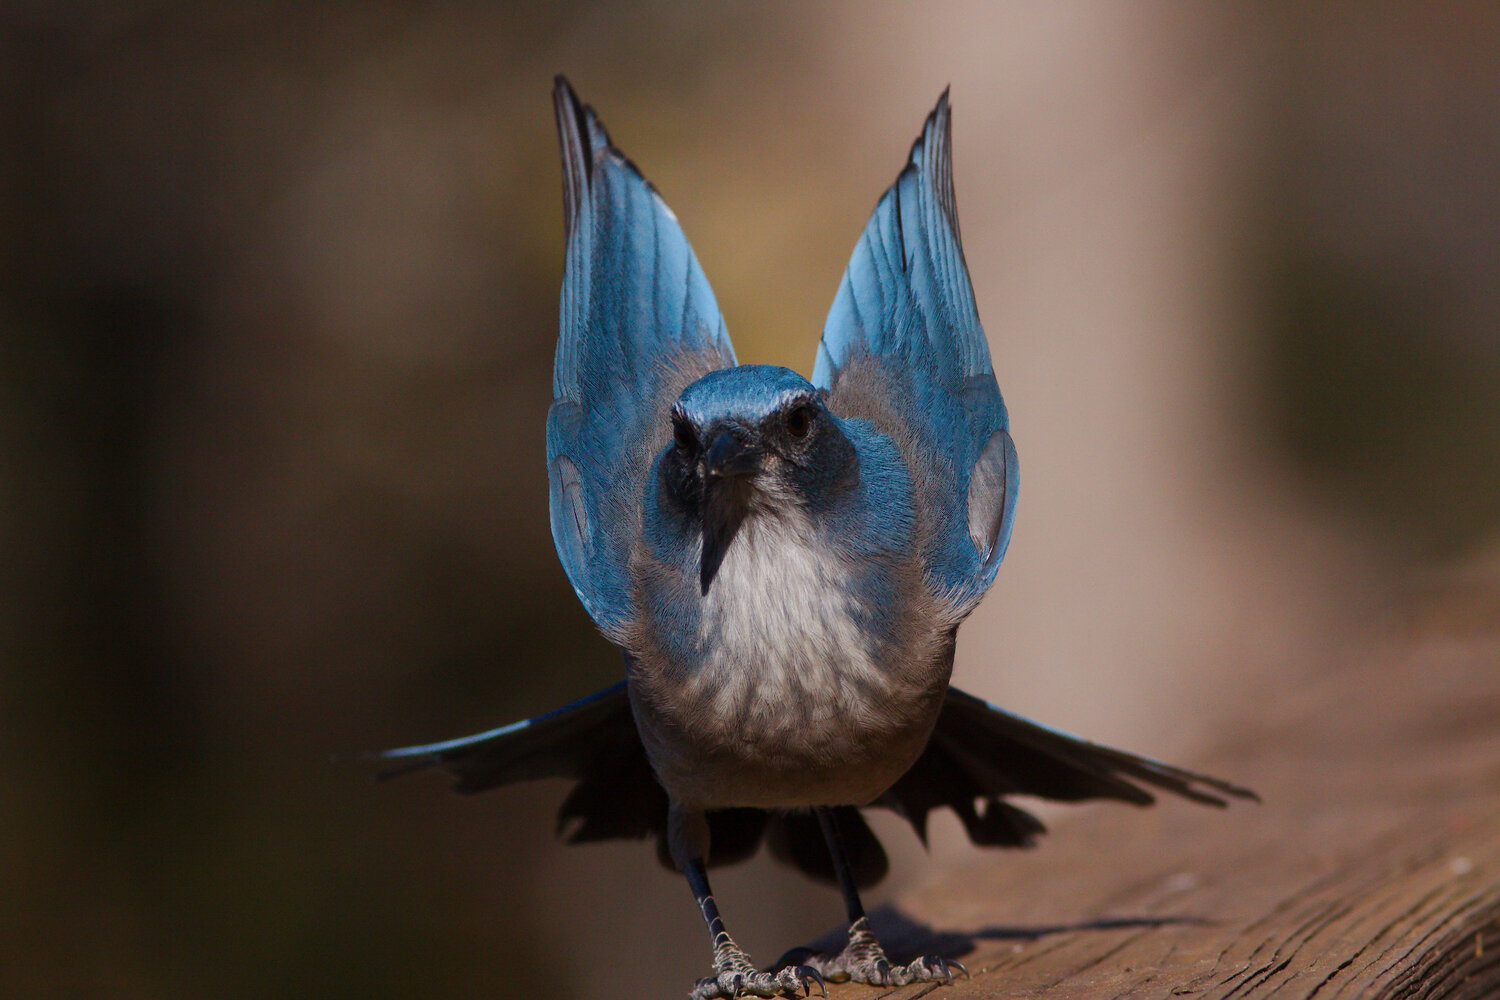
x=980, y=752
x=593, y=742
x=569, y=742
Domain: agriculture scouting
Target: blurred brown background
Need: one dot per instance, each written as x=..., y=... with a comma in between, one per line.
x=278, y=298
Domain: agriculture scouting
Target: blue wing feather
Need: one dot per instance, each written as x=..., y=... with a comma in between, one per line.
x=638, y=323
x=903, y=347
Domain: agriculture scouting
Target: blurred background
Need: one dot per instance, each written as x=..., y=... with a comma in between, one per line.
x=278, y=295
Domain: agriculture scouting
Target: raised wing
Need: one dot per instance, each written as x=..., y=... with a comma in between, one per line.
x=638, y=323
x=903, y=348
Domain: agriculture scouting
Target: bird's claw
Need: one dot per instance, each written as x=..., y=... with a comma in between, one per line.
x=927, y=969
x=864, y=961
x=730, y=984
x=881, y=972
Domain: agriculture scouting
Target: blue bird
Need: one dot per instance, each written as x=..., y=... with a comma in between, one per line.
x=784, y=563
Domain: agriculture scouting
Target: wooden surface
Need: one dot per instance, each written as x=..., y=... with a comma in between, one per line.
x=1371, y=870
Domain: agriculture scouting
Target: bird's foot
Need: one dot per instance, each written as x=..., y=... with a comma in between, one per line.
x=864, y=961
x=734, y=976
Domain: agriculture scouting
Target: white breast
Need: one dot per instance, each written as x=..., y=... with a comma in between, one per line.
x=780, y=625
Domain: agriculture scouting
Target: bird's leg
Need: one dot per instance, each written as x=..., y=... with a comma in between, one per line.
x=863, y=959
x=734, y=974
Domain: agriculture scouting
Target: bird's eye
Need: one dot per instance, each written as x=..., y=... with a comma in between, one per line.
x=682, y=433
x=799, y=421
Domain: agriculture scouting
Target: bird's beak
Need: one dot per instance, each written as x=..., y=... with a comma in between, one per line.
x=729, y=456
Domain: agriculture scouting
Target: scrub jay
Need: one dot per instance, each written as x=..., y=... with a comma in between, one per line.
x=783, y=562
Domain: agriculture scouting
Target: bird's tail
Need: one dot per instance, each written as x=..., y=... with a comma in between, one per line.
x=979, y=754
x=593, y=742
x=616, y=796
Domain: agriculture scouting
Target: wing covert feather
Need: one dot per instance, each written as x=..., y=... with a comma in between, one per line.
x=638, y=322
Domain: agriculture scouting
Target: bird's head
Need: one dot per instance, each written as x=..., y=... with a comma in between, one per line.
x=754, y=439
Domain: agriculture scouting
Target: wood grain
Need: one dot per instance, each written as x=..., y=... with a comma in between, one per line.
x=1371, y=870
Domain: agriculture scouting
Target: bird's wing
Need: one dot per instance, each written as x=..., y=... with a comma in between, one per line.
x=903, y=348
x=980, y=752
x=638, y=323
